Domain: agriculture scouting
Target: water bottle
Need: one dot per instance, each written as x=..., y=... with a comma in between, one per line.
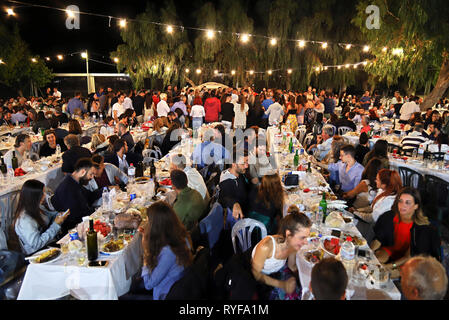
x=105, y=199
x=95, y=118
x=131, y=173
x=101, y=117
x=347, y=253
x=58, y=150
x=415, y=153
x=421, y=151
x=10, y=174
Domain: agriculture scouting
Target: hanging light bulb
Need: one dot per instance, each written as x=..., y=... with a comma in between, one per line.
x=347, y=66
x=210, y=34
x=365, y=63
x=122, y=23
x=270, y=72
x=169, y=29
x=60, y=57
x=384, y=49
x=244, y=38
x=398, y=51
x=273, y=41
x=355, y=66
x=301, y=43
x=198, y=71
x=324, y=45
x=365, y=48
x=47, y=58
x=84, y=55
x=33, y=60
x=339, y=67
x=251, y=72
x=70, y=13
x=168, y=69
x=116, y=60
x=348, y=46
x=317, y=69
x=289, y=71
x=215, y=72
x=325, y=68
x=233, y=72
x=10, y=12
x=187, y=70
x=1, y=61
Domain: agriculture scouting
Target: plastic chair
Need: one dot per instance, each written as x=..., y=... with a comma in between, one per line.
x=343, y=130
x=334, y=128
x=308, y=140
x=435, y=198
x=300, y=134
x=411, y=178
x=244, y=235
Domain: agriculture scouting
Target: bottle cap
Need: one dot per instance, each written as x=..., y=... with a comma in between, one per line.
x=349, y=239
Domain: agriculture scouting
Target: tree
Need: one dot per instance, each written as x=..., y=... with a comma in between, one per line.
x=415, y=33
x=18, y=71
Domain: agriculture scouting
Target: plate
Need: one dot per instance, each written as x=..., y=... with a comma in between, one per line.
x=114, y=252
x=53, y=259
x=329, y=238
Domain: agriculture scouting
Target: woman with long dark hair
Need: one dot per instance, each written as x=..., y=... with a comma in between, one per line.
x=167, y=249
x=404, y=232
x=41, y=122
x=34, y=226
x=75, y=128
x=380, y=150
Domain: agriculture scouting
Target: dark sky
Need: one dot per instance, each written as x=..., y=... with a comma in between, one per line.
x=46, y=34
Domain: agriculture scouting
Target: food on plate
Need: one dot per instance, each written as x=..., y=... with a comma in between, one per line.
x=133, y=211
x=127, y=221
x=357, y=241
x=332, y=245
x=102, y=227
x=75, y=245
x=48, y=255
x=166, y=182
x=334, y=220
x=314, y=256
x=19, y=172
x=363, y=269
x=113, y=245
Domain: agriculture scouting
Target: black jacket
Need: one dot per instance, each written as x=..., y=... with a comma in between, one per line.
x=70, y=157
x=138, y=105
x=424, y=238
x=232, y=190
x=44, y=124
x=46, y=151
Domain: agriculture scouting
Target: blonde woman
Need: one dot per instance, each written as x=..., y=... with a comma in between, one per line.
x=98, y=143
x=241, y=111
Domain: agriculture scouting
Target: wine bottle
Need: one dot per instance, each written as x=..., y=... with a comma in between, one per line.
x=14, y=161
x=3, y=168
x=92, y=244
x=152, y=170
x=296, y=159
x=290, y=146
x=309, y=170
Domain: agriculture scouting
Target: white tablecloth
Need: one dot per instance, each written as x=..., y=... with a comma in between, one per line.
x=395, y=164
x=56, y=280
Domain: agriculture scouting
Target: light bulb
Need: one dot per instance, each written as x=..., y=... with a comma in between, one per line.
x=244, y=38
x=347, y=66
x=289, y=71
x=365, y=48
x=251, y=72
x=33, y=60
x=273, y=41
x=365, y=63
x=301, y=43
x=116, y=60
x=384, y=49
x=348, y=46
x=122, y=23
x=167, y=68
x=60, y=57
x=84, y=55
x=339, y=67
x=70, y=13
x=10, y=12
x=233, y=72
x=210, y=34
x=169, y=29
x=355, y=66
x=325, y=68
x=215, y=71
x=317, y=69
x=198, y=71
x=47, y=58
x=187, y=70
x=270, y=72
x=324, y=45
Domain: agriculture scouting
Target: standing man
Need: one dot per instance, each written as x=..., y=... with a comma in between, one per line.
x=75, y=103
x=119, y=107
x=408, y=109
x=139, y=105
x=162, y=107
x=365, y=101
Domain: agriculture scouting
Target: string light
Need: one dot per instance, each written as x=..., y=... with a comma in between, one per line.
x=348, y=46
x=1, y=61
x=60, y=57
x=244, y=38
x=339, y=67
x=169, y=29
x=216, y=72
x=210, y=34
x=398, y=51
x=355, y=66
x=10, y=12
x=273, y=41
x=270, y=72
x=347, y=66
x=70, y=13
x=325, y=68
x=251, y=72
x=289, y=71
x=33, y=60
x=317, y=69
x=365, y=63
x=47, y=58
x=187, y=70
x=168, y=69
x=84, y=55
x=233, y=72
x=198, y=71
x=116, y=60
x=301, y=43
x=365, y=48
x=324, y=45
x=384, y=49
x=122, y=23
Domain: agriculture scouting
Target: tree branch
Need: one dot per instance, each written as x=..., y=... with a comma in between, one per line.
x=389, y=12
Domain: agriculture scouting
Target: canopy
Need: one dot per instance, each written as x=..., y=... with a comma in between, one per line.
x=211, y=85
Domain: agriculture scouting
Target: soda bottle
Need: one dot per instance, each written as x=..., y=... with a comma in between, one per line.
x=296, y=159
x=323, y=207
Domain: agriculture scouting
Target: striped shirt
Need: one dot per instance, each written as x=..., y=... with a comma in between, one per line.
x=413, y=140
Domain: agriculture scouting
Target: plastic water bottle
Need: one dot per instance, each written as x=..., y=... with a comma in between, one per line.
x=421, y=151
x=101, y=117
x=95, y=118
x=415, y=153
x=347, y=253
x=105, y=199
x=10, y=174
x=131, y=173
x=58, y=150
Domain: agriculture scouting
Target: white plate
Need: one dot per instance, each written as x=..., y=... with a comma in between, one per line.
x=329, y=238
x=115, y=252
x=33, y=261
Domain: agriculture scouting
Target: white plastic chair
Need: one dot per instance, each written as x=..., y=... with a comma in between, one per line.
x=241, y=231
x=150, y=153
x=301, y=133
x=344, y=130
x=147, y=160
x=308, y=139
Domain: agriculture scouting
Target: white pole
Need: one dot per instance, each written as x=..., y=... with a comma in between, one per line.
x=87, y=72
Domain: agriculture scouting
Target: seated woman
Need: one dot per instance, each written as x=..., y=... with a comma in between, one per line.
x=34, y=226
x=388, y=184
x=75, y=128
x=99, y=144
x=49, y=146
x=364, y=193
x=362, y=148
x=333, y=157
x=404, y=232
x=365, y=125
x=168, y=143
x=380, y=150
x=108, y=129
x=41, y=122
x=264, y=207
x=166, y=245
x=274, y=257
x=373, y=115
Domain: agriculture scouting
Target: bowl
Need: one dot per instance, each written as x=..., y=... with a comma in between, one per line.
x=326, y=240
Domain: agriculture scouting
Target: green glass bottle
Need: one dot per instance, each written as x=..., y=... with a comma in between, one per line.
x=308, y=168
x=14, y=161
x=296, y=159
x=92, y=244
x=290, y=146
x=3, y=167
x=323, y=206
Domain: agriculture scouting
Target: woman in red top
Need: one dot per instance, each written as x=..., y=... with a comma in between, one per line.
x=365, y=125
x=212, y=107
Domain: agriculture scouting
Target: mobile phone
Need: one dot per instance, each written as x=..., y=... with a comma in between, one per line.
x=102, y=263
x=336, y=233
x=361, y=253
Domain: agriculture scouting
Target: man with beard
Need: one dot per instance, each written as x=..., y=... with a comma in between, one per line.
x=71, y=194
x=73, y=154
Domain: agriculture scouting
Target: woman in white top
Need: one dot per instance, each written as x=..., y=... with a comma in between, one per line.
x=197, y=113
x=274, y=253
x=388, y=183
x=366, y=190
x=240, y=111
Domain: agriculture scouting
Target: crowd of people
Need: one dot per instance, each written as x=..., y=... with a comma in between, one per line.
x=404, y=240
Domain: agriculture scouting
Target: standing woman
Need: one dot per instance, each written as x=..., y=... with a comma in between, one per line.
x=197, y=113
x=292, y=121
x=274, y=257
x=34, y=226
x=240, y=111
x=300, y=102
x=167, y=250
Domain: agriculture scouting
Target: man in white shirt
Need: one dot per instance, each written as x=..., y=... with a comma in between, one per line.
x=128, y=103
x=324, y=142
x=162, y=107
x=118, y=108
x=194, y=178
x=397, y=98
x=409, y=108
x=275, y=112
x=57, y=94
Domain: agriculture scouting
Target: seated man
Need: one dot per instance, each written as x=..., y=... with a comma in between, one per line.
x=324, y=143
x=118, y=158
x=414, y=138
x=349, y=170
x=329, y=280
x=22, y=147
x=234, y=187
x=194, y=178
x=124, y=134
x=59, y=133
x=189, y=204
x=209, y=152
x=423, y=278
x=73, y=153
x=72, y=195
x=60, y=116
x=345, y=121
